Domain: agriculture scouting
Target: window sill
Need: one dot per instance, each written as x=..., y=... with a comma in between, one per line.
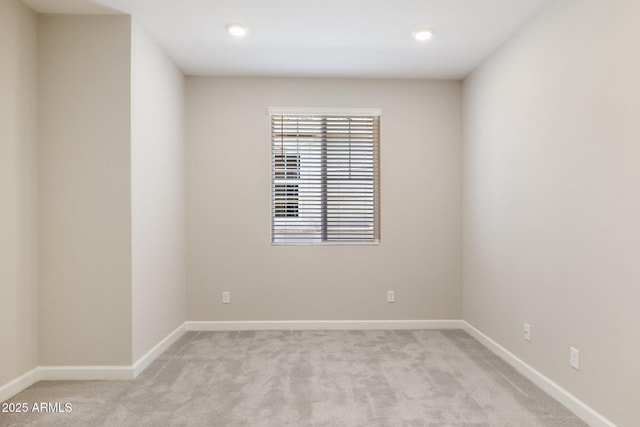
x=375, y=243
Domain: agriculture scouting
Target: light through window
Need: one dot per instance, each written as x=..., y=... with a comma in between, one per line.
x=324, y=177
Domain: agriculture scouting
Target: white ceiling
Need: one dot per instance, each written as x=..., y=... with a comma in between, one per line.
x=322, y=38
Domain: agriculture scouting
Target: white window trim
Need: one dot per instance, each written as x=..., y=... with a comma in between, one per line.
x=323, y=111
x=312, y=111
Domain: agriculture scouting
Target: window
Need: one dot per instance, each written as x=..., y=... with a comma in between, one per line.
x=324, y=176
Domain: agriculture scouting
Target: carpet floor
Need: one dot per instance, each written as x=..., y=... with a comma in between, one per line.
x=306, y=378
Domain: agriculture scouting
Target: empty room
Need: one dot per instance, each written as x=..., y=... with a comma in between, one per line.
x=336, y=213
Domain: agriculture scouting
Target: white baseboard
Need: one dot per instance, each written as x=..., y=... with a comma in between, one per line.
x=158, y=349
x=575, y=405
x=125, y=372
x=22, y=382
x=300, y=325
x=84, y=373
x=66, y=373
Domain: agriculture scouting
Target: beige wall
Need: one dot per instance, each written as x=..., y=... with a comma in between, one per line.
x=228, y=204
x=552, y=207
x=18, y=176
x=84, y=187
x=157, y=195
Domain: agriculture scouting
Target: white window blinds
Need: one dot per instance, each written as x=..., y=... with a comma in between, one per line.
x=324, y=178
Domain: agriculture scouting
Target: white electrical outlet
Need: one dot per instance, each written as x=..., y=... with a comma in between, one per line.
x=391, y=296
x=527, y=332
x=574, y=358
x=226, y=297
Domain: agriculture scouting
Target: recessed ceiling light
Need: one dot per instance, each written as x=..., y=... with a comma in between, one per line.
x=237, y=30
x=424, y=34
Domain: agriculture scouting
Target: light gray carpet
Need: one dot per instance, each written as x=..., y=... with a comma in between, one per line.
x=307, y=378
